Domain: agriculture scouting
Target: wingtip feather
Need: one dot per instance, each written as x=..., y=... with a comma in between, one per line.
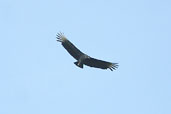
x=60, y=37
x=113, y=66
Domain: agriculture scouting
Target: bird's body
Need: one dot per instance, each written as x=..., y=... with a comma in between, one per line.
x=83, y=59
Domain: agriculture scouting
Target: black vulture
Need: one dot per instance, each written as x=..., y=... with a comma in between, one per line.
x=83, y=58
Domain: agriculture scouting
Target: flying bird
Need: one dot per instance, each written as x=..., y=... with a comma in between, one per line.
x=83, y=59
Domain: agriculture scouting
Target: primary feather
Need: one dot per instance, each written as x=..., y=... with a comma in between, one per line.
x=100, y=64
x=83, y=58
x=72, y=50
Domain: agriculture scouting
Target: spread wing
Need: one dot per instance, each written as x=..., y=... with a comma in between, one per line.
x=72, y=50
x=92, y=62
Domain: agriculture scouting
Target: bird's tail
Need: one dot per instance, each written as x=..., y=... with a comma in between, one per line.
x=79, y=65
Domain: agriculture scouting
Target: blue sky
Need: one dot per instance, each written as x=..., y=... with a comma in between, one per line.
x=38, y=75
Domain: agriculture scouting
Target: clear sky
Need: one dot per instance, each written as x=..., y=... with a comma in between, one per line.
x=38, y=76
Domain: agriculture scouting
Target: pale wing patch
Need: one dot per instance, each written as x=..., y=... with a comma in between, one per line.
x=113, y=66
x=60, y=37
